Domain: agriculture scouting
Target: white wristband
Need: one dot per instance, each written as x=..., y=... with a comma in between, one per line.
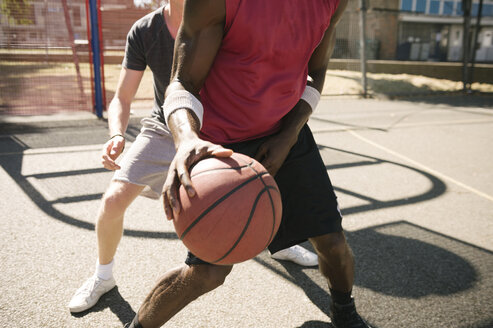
x=311, y=96
x=182, y=99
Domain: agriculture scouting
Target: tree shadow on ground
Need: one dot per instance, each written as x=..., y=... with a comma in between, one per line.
x=404, y=90
x=43, y=89
x=24, y=69
x=454, y=99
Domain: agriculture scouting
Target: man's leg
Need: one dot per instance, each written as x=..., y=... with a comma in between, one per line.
x=176, y=289
x=109, y=228
x=109, y=225
x=336, y=264
x=336, y=261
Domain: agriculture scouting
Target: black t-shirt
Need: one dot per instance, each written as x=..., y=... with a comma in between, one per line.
x=149, y=43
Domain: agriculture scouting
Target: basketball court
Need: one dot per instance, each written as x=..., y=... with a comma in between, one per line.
x=415, y=184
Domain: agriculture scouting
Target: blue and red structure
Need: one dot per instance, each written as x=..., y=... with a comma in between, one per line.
x=96, y=60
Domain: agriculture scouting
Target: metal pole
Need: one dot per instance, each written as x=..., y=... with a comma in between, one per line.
x=98, y=93
x=75, y=57
x=362, y=45
x=475, y=41
x=466, y=7
x=101, y=54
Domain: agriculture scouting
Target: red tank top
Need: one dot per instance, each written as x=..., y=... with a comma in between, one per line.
x=261, y=68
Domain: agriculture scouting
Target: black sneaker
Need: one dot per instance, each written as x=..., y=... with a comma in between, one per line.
x=345, y=316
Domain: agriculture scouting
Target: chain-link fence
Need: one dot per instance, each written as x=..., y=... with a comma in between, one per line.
x=116, y=22
x=44, y=57
x=411, y=47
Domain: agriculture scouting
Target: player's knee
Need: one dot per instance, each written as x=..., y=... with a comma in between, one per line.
x=211, y=276
x=114, y=199
x=332, y=246
x=111, y=202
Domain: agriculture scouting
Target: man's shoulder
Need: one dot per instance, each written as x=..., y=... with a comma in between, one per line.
x=152, y=22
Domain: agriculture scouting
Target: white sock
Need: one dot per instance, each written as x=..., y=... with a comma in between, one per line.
x=105, y=271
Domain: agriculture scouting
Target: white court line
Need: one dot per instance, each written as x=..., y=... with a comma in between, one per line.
x=421, y=166
x=451, y=122
x=58, y=150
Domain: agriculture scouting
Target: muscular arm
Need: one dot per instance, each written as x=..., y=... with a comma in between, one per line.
x=196, y=46
x=119, y=114
x=275, y=150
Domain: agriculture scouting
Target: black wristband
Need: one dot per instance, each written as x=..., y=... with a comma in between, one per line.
x=117, y=135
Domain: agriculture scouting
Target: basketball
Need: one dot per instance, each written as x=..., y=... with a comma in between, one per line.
x=235, y=213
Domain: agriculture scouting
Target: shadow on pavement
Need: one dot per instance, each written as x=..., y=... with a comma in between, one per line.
x=391, y=263
x=400, y=259
x=457, y=99
x=316, y=324
x=116, y=303
x=437, y=188
x=13, y=157
x=406, y=262
x=405, y=90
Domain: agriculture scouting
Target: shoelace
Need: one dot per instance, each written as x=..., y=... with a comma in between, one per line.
x=299, y=252
x=90, y=286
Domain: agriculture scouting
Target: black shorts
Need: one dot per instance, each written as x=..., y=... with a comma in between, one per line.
x=310, y=206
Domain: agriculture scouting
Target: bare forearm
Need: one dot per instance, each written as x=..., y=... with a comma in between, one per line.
x=118, y=116
x=184, y=126
x=294, y=121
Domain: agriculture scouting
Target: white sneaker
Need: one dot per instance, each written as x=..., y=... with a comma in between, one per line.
x=298, y=255
x=88, y=295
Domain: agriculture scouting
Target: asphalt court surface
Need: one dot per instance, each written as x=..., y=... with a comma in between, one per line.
x=414, y=179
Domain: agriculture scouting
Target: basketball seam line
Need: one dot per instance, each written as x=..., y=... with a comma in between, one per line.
x=217, y=202
x=271, y=202
x=247, y=224
x=273, y=212
x=221, y=168
x=250, y=165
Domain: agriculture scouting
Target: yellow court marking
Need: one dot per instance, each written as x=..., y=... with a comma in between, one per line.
x=421, y=166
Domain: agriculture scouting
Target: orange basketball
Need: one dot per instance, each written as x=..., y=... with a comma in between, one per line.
x=235, y=213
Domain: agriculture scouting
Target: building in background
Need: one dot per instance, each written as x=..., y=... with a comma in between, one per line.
x=416, y=30
x=433, y=30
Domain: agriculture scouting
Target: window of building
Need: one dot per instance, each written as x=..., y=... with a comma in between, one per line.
x=420, y=6
x=434, y=7
x=445, y=7
x=474, y=9
x=448, y=7
x=487, y=10
x=458, y=9
x=407, y=5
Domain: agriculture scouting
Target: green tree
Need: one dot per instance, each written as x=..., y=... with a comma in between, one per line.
x=20, y=12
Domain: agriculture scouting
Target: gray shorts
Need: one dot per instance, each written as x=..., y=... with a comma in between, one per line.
x=147, y=161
